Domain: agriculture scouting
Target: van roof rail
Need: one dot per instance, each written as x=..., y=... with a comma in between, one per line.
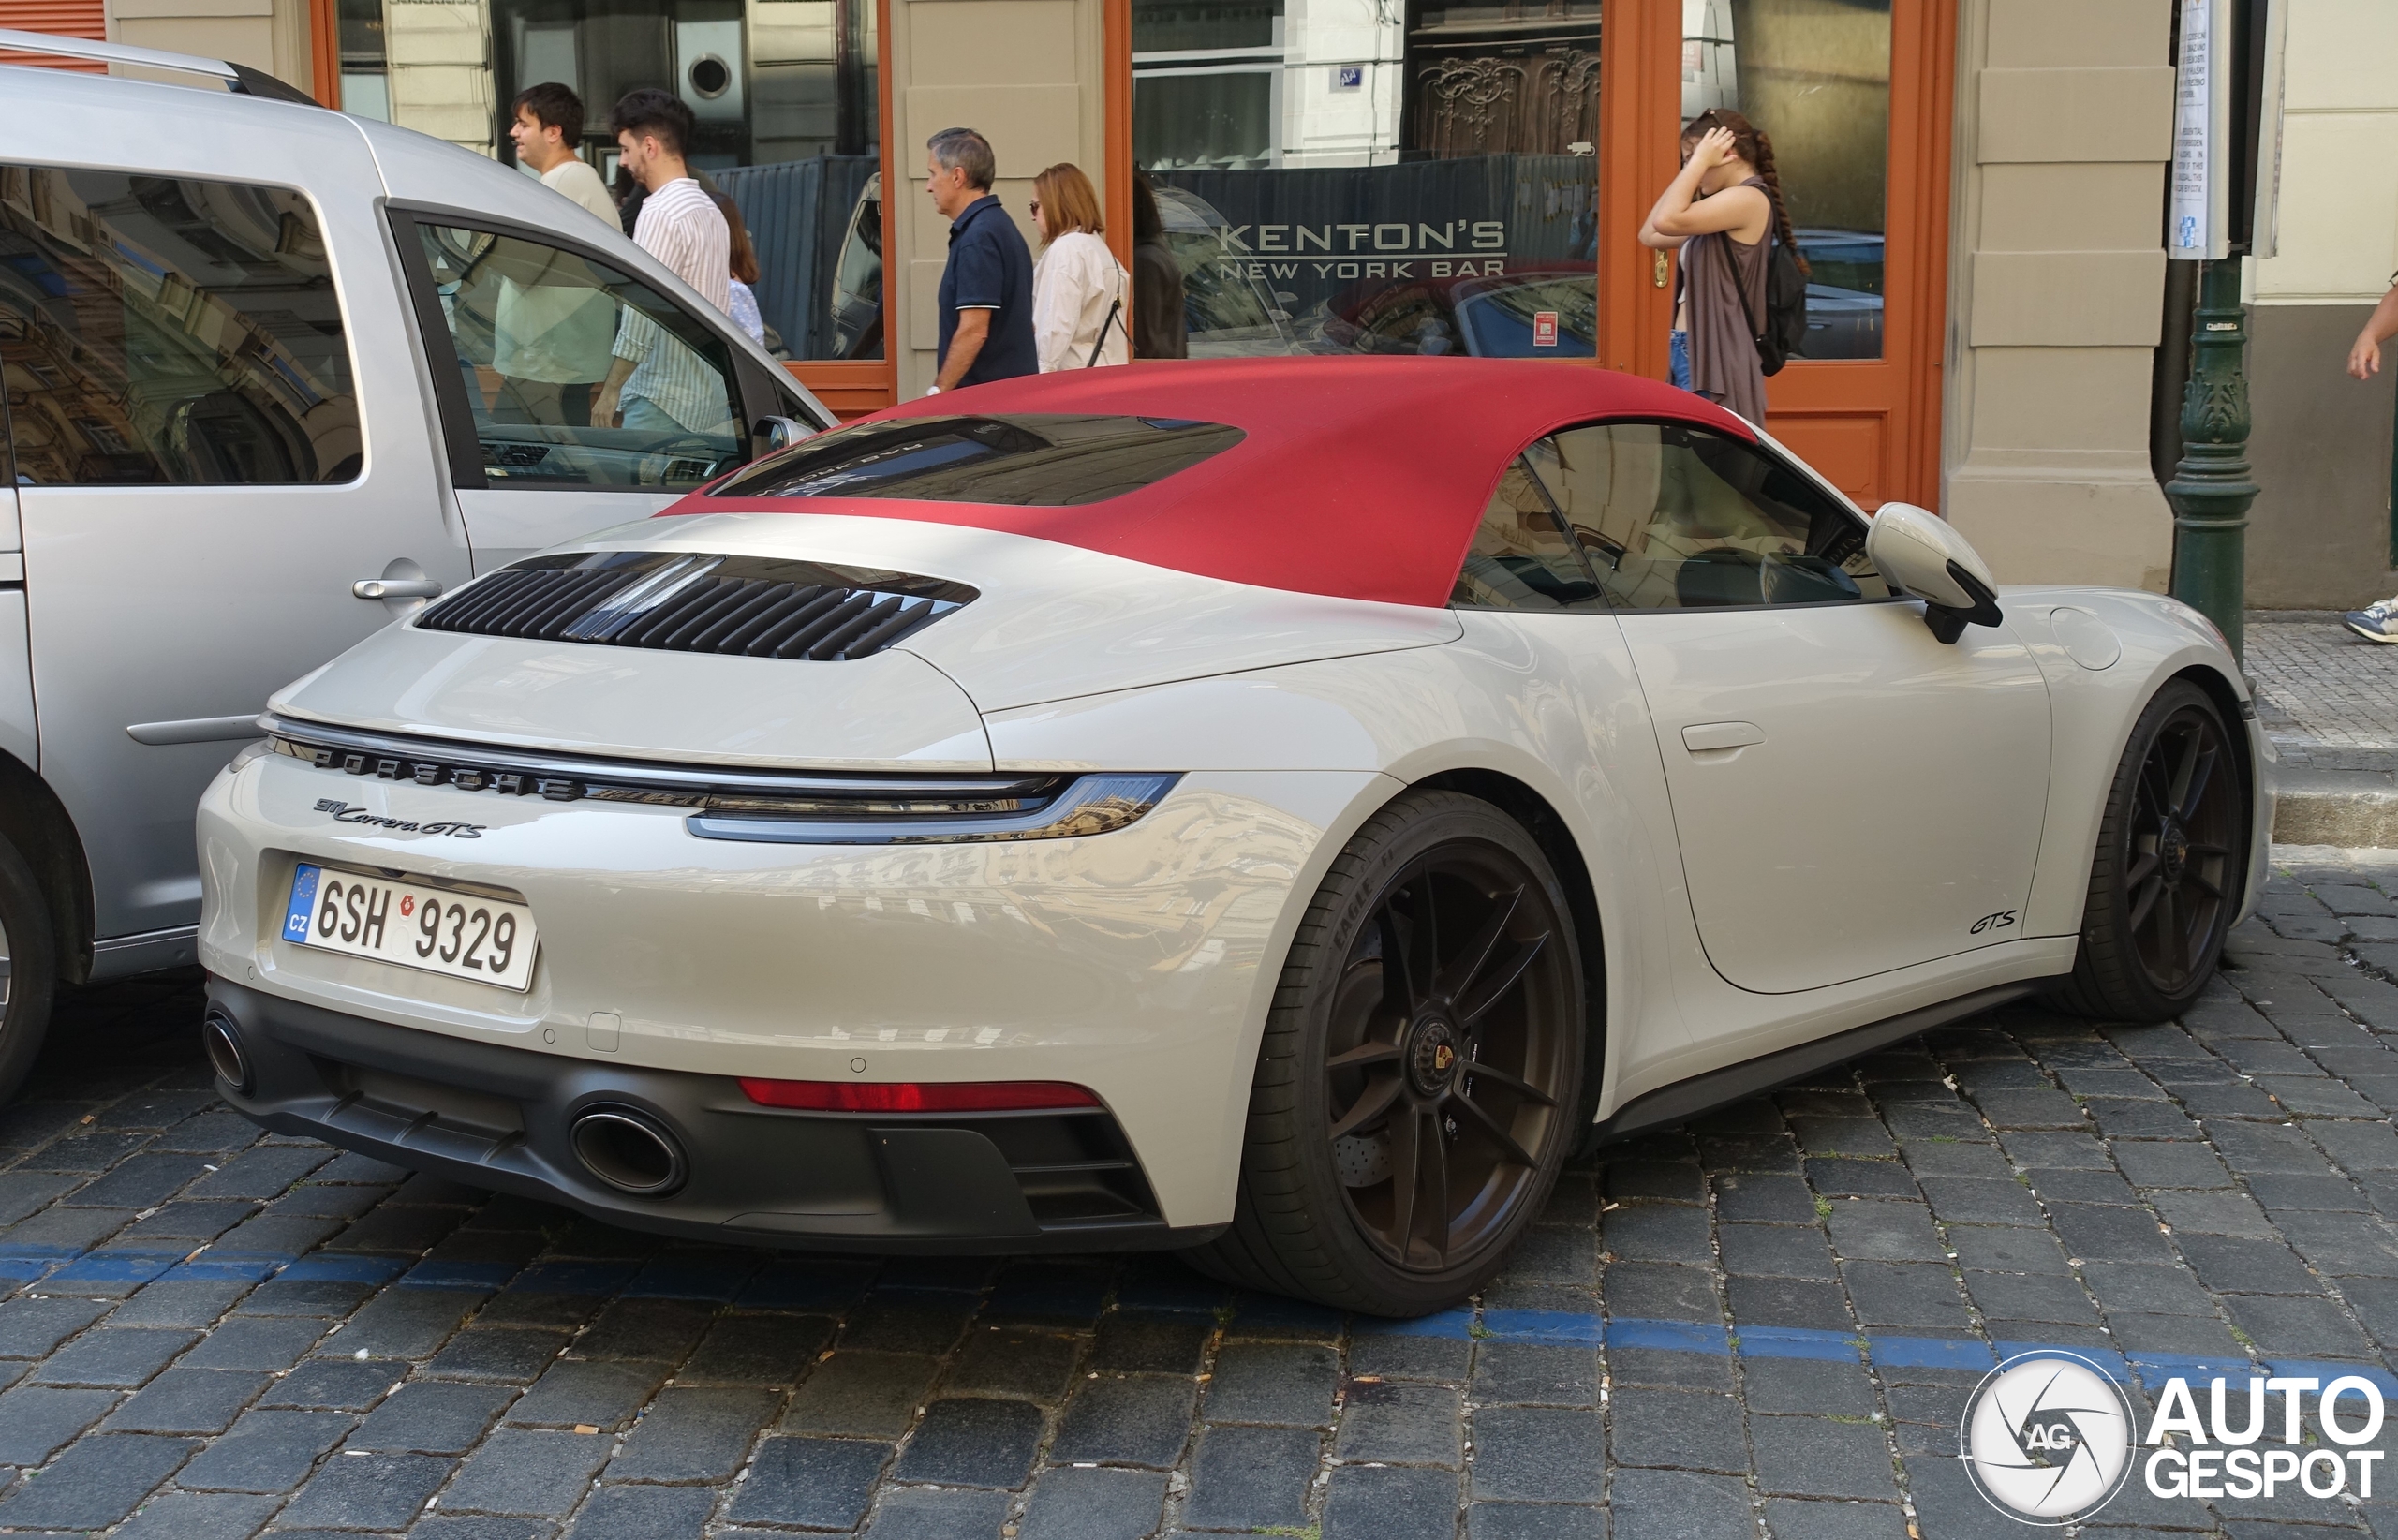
x=239, y=78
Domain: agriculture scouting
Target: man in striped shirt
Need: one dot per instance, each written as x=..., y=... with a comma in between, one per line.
x=657, y=382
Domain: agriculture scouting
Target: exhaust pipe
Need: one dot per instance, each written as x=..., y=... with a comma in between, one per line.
x=630, y=1151
x=222, y=1042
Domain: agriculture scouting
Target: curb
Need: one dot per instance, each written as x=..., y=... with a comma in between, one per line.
x=2349, y=816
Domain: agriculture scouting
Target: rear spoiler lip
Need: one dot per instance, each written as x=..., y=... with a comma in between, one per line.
x=239, y=78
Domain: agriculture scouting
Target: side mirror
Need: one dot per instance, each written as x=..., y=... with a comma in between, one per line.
x=1917, y=553
x=778, y=432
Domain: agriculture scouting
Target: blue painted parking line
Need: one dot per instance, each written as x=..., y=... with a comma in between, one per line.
x=574, y=1277
x=251, y=1267
x=473, y=1277
x=817, y=1284
x=22, y=1264
x=114, y=1266
x=319, y=1268
x=1536, y=1326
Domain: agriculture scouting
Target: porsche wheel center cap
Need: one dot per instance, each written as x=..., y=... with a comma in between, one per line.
x=2173, y=850
x=1433, y=1054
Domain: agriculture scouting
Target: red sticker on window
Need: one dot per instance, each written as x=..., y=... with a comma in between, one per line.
x=1544, y=328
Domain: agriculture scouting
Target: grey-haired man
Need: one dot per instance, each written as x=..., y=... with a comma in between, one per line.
x=986, y=283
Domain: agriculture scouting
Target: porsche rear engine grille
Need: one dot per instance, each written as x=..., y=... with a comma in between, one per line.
x=683, y=601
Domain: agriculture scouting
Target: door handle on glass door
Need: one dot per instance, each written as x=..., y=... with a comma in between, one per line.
x=396, y=589
x=1714, y=737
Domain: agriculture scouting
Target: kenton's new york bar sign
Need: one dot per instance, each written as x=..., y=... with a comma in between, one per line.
x=1385, y=249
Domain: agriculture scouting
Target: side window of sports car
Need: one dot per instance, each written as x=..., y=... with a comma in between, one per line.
x=1679, y=517
x=1522, y=556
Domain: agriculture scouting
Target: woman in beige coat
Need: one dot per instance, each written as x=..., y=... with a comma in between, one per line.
x=1081, y=293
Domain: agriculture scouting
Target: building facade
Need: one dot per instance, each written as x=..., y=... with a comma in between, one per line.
x=1978, y=186
x=2321, y=535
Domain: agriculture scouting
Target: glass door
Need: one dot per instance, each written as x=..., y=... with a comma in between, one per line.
x=1853, y=97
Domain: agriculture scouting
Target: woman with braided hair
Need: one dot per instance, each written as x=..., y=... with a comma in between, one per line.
x=1718, y=212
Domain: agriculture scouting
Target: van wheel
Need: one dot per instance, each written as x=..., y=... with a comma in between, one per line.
x=2170, y=868
x=1419, y=1084
x=28, y=970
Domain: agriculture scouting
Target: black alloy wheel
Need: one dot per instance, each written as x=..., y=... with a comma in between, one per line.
x=1436, y=1057
x=1420, y=1082
x=2171, y=864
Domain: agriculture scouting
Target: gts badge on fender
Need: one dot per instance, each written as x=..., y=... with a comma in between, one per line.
x=344, y=813
x=1999, y=921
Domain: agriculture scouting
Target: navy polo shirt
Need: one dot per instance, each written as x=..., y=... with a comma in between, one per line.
x=990, y=269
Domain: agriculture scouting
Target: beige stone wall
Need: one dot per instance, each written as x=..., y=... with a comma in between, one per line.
x=1028, y=74
x=2064, y=127
x=2319, y=535
x=438, y=52
x=269, y=34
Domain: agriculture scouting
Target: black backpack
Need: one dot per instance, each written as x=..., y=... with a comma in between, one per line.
x=1786, y=309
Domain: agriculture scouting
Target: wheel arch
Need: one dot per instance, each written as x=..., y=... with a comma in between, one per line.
x=2239, y=718
x=1541, y=821
x=37, y=822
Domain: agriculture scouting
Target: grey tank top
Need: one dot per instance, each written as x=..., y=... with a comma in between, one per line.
x=1724, y=283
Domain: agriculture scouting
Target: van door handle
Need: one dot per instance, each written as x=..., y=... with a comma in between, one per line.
x=1705, y=737
x=396, y=589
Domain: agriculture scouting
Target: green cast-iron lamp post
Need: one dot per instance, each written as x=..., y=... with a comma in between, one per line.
x=2210, y=491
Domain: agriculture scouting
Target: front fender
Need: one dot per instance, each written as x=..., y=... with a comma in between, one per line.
x=2095, y=709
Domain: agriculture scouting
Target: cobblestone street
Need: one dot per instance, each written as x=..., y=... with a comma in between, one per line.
x=1764, y=1323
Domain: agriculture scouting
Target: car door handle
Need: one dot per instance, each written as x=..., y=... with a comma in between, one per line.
x=1705, y=737
x=396, y=589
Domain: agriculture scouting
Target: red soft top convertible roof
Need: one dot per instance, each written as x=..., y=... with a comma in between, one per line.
x=1360, y=477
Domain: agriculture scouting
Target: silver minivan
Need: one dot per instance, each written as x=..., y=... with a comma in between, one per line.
x=275, y=375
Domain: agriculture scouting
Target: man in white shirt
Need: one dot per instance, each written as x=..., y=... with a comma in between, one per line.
x=657, y=382
x=548, y=132
x=555, y=326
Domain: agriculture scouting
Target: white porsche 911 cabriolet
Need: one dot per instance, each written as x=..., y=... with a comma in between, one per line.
x=1274, y=809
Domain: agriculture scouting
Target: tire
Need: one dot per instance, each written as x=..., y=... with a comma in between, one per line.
x=30, y=974
x=2171, y=864
x=1474, y=1062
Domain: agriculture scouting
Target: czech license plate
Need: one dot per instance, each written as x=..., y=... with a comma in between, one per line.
x=459, y=935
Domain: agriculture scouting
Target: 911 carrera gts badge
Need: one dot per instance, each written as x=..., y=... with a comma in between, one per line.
x=344, y=813
x=1999, y=921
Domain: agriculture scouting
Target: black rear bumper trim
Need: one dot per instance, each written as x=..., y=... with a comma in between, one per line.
x=493, y=1115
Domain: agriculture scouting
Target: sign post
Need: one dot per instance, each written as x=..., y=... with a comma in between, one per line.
x=2226, y=170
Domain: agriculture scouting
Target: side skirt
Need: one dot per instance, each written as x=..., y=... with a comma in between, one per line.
x=1686, y=1098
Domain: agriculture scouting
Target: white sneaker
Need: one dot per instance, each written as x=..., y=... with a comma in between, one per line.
x=2376, y=622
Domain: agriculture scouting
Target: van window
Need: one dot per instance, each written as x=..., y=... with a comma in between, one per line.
x=170, y=330
x=576, y=374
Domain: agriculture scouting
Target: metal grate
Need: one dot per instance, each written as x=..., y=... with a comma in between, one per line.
x=736, y=607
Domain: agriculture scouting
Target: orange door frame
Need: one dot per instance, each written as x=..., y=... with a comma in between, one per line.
x=324, y=52
x=1872, y=425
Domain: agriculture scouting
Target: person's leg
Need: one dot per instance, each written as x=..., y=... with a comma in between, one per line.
x=643, y=415
x=2376, y=621
x=1679, y=355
